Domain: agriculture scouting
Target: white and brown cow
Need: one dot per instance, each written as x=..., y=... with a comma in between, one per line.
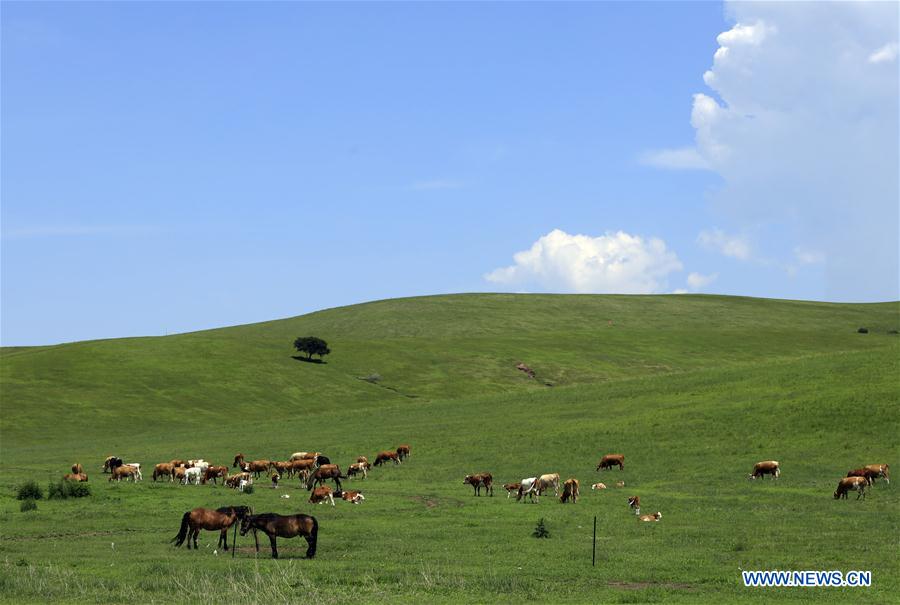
x=528, y=487
x=322, y=494
x=766, y=467
x=358, y=468
x=547, y=481
x=848, y=484
x=882, y=471
x=634, y=503
x=598, y=486
x=654, y=517
x=485, y=480
x=354, y=497
x=510, y=488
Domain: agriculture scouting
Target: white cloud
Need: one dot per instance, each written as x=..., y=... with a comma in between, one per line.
x=611, y=263
x=435, y=185
x=685, y=158
x=697, y=281
x=802, y=127
x=805, y=256
x=735, y=246
x=885, y=54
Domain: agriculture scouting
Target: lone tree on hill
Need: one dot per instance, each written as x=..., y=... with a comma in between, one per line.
x=312, y=346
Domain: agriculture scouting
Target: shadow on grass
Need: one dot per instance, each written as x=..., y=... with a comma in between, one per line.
x=307, y=360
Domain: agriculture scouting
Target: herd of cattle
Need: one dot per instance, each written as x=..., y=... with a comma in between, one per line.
x=313, y=469
x=533, y=487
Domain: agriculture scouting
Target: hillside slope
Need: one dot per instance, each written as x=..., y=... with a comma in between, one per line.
x=439, y=347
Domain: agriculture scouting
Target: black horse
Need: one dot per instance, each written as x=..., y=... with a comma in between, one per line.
x=283, y=526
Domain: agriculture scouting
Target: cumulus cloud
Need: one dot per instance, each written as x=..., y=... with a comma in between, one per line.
x=684, y=158
x=697, y=281
x=611, y=263
x=801, y=125
x=735, y=246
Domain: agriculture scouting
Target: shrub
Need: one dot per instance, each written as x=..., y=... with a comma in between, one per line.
x=28, y=504
x=863, y=330
x=540, y=530
x=29, y=491
x=68, y=489
x=248, y=489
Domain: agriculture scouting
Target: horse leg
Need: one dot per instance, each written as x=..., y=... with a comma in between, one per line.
x=223, y=537
x=274, y=548
x=256, y=539
x=196, y=535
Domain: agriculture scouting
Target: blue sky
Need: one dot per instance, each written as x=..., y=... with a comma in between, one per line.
x=172, y=167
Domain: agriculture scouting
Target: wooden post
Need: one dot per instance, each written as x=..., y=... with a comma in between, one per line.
x=234, y=539
x=594, y=553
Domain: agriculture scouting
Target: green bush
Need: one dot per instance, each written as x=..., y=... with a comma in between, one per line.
x=248, y=489
x=68, y=489
x=29, y=491
x=28, y=504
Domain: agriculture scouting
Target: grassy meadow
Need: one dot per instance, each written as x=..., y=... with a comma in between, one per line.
x=692, y=389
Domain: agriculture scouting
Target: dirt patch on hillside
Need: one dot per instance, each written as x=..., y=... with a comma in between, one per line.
x=431, y=502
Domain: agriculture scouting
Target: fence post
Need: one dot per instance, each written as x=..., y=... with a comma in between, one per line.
x=594, y=553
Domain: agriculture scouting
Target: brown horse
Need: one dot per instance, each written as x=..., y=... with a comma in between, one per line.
x=204, y=518
x=240, y=512
x=238, y=461
x=283, y=526
x=323, y=474
x=77, y=469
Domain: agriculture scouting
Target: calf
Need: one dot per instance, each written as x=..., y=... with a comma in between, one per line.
x=598, y=486
x=354, y=497
x=192, y=475
x=654, y=517
x=75, y=477
x=234, y=481
x=510, y=488
x=848, y=484
x=610, y=460
x=383, y=457
x=571, y=490
x=77, y=469
x=358, y=468
x=321, y=494
x=620, y=484
x=634, y=503
x=178, y=473
x=478, y=481
x=766, y=467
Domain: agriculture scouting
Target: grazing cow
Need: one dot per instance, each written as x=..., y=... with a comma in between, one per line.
x=304, y=456
x=766, y=467
x=620, y=484
x=303, y=467
x=848, y=484
x=403, y=452
x=75, y=477
x=123, y=472
x=478, y=481
x=528, y=487
x=634, y=503
x=654, y=517
x=883, y=471
x=598, y=486
x=354, y=497
x=510, y=488
x=215, y=472
x=256, y=467
x=111, y=463
x=323, y=474
x=178, y=473
x=383, y=457
x=364, y=460
x=322, y=494
x=571, y=490
x=358, y=468
x=548, y=481
x=77, y=469
x=610, y=460
x=164, y=469
x=282, y=468
x=192, y=475
x=869, y=475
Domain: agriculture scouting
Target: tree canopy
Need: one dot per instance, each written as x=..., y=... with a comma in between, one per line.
x=312, y=345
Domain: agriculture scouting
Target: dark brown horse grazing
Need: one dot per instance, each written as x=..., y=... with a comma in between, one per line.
x=283, y=526
x=204, y=518
x=323, y=474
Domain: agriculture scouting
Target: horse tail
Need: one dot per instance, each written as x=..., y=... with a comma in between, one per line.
x=182, y=533
x=312, y=539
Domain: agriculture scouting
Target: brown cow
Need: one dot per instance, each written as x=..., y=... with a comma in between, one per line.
x=77, y=469
x=178, y=462
x=654, y=517
x=766, y=467
x=358, y=468
x=215, y=472
x=634, y=503
x=403, y=452
x=480, y=480
x=123, y=472
x=851, y=484
x=322, y=494
x=164, y=469
x=256, y=467
x=510, y=488
x=354, y=497
x=282, y=467
x=883, y=471
x=869, y=475
x=383, y=457
x=178, y=473
x=571, y=490
x=611, y=460
x=75, y=477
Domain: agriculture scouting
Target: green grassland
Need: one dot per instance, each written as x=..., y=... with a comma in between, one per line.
x=692, y=389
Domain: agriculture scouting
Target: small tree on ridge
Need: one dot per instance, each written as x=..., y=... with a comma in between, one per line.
x=311, y=346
